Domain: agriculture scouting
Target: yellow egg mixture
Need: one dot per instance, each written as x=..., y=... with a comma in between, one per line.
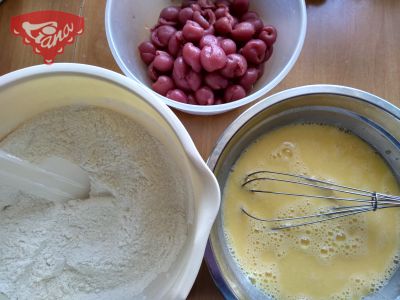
x=346, y=258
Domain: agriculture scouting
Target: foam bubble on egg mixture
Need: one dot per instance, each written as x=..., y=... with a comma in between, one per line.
x=345, y=258
x=110, y=246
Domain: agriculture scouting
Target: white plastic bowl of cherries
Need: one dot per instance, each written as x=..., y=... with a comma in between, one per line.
x=206, y=57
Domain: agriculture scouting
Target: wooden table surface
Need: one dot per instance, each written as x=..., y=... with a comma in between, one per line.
x=349, y=42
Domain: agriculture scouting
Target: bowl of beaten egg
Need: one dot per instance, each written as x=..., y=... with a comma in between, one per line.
x=331, y=133
x=143, y=230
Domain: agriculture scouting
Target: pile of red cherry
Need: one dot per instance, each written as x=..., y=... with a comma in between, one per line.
x=207, y=52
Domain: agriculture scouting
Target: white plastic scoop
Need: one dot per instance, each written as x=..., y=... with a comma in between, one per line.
x=55, y=179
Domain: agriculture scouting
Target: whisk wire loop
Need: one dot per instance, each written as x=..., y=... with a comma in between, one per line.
x=368, y=201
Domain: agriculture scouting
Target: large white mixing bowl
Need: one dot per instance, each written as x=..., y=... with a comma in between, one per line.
x=27, y=92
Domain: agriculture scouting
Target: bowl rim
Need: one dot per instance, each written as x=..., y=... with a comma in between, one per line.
x=212, y=161
x=266, y=102
x=219, y=108
x=210, y=187
x=113, y=77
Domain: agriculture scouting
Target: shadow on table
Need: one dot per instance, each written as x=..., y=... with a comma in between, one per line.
x=315, y=2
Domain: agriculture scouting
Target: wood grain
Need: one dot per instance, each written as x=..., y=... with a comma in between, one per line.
x=348, y=42
x=93, y=48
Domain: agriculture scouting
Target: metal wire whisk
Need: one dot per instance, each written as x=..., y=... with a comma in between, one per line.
x=367, y=201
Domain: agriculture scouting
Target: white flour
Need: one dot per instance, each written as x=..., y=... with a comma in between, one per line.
x=110, y=246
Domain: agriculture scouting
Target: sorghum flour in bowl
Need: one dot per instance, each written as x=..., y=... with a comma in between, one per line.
x=110, y=246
